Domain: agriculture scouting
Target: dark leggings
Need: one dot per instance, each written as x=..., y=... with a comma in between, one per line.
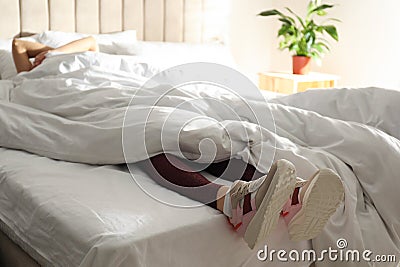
x=172, y=173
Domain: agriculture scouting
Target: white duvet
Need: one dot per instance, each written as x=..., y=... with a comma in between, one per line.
x=72, y=108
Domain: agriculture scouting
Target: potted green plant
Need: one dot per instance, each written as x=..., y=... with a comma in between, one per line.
x=304, y=36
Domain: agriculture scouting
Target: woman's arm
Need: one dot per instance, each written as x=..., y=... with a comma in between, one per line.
x=23, y=50
x=81, y=45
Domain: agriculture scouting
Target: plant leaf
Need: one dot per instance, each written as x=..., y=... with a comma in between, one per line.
x=331, y=19
x=284, y=30
x=272, y=12
x=285, y=20
x=298, y=18
x=319, y=29
x=331, y=30
x=324, y=45
x=322, y=40
x=320, y=8
x=319, y=48
x=311, y=5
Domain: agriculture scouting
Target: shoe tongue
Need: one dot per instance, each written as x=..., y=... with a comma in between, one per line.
x=247, y=204
x=227, y=210
x=296, y=195
x=260, y=194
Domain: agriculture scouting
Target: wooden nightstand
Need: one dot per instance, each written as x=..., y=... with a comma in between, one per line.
x=287, y=83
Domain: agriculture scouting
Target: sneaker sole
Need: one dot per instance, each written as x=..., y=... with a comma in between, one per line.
x=319, y=204
x=266, y=218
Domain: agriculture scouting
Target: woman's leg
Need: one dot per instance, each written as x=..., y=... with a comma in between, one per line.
x=173, y=173
x=234, y=169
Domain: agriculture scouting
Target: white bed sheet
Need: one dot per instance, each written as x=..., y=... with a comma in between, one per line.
x=82, y=215
x=5, y=87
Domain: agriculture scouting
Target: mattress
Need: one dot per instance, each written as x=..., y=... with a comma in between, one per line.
x=70, y=214
x=11, y=254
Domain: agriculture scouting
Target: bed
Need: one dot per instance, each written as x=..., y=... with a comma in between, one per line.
x=67, y=198
x=157, y=21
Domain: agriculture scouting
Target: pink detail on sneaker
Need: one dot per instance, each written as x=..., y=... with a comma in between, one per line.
x=240, y=221
x=245, y=222
x=237, y=215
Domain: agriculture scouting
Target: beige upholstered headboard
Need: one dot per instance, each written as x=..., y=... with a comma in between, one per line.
x=154, y=20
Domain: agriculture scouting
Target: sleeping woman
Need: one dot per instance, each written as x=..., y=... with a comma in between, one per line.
x=254, y=202
x=23, y=51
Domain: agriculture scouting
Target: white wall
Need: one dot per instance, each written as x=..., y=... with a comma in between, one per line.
x=368, y=52
x=250, y=36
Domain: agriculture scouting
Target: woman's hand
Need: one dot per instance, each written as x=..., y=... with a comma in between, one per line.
x=39, y=58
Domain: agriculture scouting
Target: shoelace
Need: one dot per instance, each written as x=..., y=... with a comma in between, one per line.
x=244, y=190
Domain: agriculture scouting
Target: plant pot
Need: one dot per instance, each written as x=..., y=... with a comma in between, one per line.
x=301, y=64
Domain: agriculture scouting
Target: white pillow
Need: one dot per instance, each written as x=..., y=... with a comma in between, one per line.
x=166, y=54
x=56, y=39
x=5, y=44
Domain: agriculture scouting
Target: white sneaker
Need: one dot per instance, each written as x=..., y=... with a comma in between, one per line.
x=321, y=197
x=268, y=195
